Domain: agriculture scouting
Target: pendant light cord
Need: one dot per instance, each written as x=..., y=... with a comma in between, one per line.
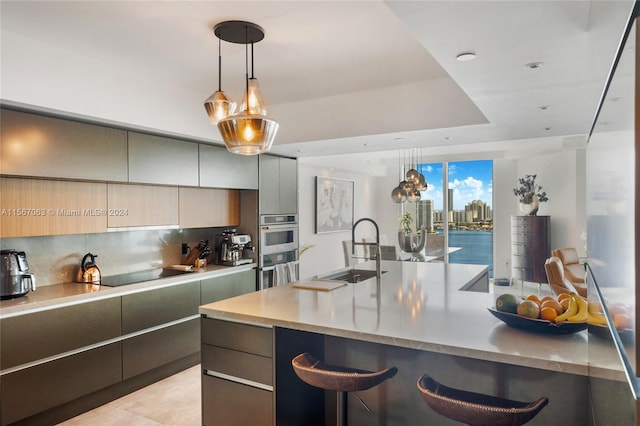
x=219, y=67
x=252, y=76
x=246, y=62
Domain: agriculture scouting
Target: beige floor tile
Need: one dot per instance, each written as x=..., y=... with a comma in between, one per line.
x=174, y=401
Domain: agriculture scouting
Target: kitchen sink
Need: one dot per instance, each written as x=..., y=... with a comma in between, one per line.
x=353, y=275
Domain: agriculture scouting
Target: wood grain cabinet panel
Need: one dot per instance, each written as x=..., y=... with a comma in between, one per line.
x=41, y=146
x=142, y=205
x=205, y=207
x=35, y=207
x=160, y=160
x=221, y=169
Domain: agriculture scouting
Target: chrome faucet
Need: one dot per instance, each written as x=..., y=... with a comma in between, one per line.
x=354, y=243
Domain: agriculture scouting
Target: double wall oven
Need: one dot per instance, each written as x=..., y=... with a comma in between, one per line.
x=278, y=245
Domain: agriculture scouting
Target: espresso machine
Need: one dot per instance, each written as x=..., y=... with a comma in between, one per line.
x=233, y=249
x=15, y=279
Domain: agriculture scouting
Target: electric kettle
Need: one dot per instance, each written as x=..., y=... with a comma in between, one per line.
x=15, y=279
x=88, y=271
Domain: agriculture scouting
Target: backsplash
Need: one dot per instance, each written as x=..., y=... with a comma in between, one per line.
x=55, y=259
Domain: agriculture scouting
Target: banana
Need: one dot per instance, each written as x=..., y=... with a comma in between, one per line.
x=596, y=319
x=571, y=310
x=583, y=309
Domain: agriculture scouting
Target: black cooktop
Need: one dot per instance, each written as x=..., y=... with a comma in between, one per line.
x=140, y=276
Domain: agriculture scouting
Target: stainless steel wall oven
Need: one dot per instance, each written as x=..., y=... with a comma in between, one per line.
x=278, y=249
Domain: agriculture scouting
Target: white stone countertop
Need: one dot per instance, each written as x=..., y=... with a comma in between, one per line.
x=66, y=294
x=417, y=305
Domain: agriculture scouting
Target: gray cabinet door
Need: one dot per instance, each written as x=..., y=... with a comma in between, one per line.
x=38, y=335
x=156, y=307
x=278, y=185
x=288, y=185
x=221, y=169
x=235, y=404
x=159, y=347
x=37, y=145
x=226, y=286
x=27, y=392
x=156, y=159
x=269, y=184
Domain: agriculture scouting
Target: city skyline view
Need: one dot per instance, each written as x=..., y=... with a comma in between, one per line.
x=469, y=180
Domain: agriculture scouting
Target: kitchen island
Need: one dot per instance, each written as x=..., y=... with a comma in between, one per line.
x=414, y=317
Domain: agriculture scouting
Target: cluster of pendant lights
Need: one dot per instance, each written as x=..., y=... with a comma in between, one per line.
x=250, y=131
x=410, y=186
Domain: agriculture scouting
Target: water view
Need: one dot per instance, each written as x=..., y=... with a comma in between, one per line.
x=476, y=248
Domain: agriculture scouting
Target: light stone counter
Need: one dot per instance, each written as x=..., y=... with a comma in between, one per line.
x=414, y=305
x=66, y=294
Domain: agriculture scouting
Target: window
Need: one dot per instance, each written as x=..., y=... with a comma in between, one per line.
x=468, y=214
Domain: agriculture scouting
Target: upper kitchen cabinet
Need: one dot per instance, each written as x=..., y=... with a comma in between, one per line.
x=156, y=159
x=208, y=207
x=142, y=205
x=278, y=185
x=37, y=207
x=40, y=146
x=221, y=169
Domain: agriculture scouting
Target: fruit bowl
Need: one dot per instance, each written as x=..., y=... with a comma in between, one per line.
x=537, y=325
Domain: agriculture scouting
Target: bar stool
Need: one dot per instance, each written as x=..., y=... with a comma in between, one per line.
x=477, y=409
x=341, y=379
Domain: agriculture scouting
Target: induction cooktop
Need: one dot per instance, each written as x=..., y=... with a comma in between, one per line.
x=139, y=276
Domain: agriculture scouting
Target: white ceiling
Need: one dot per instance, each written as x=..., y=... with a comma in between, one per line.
x=341, y=77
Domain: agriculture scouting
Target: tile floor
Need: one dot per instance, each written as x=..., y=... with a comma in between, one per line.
x=173, y=401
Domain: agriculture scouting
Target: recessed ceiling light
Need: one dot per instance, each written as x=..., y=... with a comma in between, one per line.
x=543, y=107
x=548, y=128
x=398, y=139
x=466, y=56
x=447, y=138
x=534, y=65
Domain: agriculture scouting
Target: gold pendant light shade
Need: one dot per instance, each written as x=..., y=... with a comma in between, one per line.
x=256, y=103
x=219, y=106
x=248, y=134
x=250, y=131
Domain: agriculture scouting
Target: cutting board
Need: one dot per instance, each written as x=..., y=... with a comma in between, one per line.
x=319, y=285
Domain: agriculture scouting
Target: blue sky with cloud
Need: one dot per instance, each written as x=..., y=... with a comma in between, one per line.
x=470, y=180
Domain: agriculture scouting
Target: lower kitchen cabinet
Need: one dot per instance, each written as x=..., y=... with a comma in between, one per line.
x=234, y=404
x=39, y=388
x=237, y=380
x=31, y=337
x=226, y=286
x=160, y=347
x=155, y=307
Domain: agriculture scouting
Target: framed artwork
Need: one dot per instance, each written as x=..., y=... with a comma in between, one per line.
x=334, y=204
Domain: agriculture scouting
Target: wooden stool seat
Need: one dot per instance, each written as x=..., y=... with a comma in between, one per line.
x=341, y=379
x=477, y=409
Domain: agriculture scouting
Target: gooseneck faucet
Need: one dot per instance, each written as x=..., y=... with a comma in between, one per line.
x=354, y=243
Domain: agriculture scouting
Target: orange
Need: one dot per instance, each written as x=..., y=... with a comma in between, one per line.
x=563, y=296
x=552, y=304
x=616, y=309
x=565, y=303
x=622, y=321
x=545, y=298
x=534, y=298
x=548, y=314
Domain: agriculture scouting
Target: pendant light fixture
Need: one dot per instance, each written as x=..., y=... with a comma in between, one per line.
x=218, y=105
x=409, y=189
x=250, y=131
